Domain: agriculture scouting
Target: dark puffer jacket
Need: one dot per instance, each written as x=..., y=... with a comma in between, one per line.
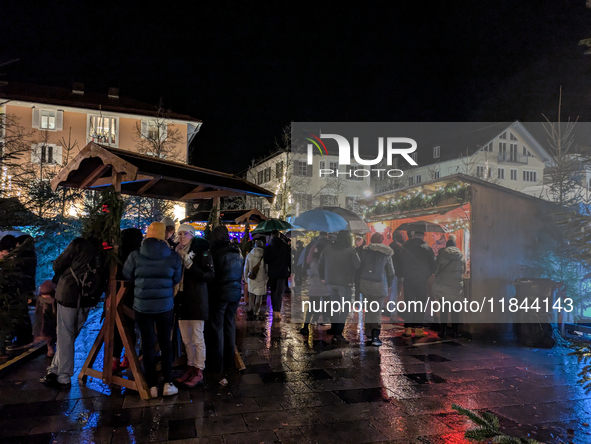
x=228, y=265
x=377, y=271
x=77, y=255
x=156, y=270
x=192, y=302
x=338, y=265
x=418, y=261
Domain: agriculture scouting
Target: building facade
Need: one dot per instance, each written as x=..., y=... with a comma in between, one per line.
x=300, y=187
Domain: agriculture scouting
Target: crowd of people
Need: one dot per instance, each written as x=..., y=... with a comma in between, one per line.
x=178, y=283
x=336, y=270
x=192, y=286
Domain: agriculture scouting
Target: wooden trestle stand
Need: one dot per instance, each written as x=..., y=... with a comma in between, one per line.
x=114, y=319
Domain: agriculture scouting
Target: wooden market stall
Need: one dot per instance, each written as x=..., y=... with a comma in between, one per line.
x=497, y=229
x=234, y=220
x=99, y=167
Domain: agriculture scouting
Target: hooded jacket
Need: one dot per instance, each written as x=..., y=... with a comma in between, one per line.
x=379, y=257
x=228, y=266
x=156, y=270
x=256, y=286
x=418, y=261
x=76, y=256
x=451, y=266
x=193, y=302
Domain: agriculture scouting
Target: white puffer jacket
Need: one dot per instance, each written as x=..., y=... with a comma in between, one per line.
x=256, y=286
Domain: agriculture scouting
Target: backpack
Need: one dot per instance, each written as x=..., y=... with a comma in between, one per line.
x=92, y=281
x=372, y=267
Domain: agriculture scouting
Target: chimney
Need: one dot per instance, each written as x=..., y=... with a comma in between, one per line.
x=78, y=88
x=113, y=93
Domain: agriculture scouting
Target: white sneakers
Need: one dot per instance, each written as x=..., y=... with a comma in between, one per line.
x=169, y=389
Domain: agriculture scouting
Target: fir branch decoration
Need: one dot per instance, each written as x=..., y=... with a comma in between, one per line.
x=105, y=220
x=489, y=428
x=460, y=193
x=583, y=353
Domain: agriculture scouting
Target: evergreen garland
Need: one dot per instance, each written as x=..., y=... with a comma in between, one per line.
x=104, y=222
x=489, y=428
x=418, y=200
x=583, y=353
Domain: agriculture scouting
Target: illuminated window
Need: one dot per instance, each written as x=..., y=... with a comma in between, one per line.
x=103, y=130
x=47, y=120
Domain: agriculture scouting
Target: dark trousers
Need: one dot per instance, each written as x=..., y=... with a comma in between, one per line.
x=163, y=323
x=414, y=291
x=118, y=342
x=373, y=320
x=277, y=286
x=222, y=341
x=339, y=294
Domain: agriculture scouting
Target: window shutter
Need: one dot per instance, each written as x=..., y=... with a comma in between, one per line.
x=163, y=132
x=36, y=117
x=309, y=170
x=144, y=129
x=59, y=120
x=57, y=154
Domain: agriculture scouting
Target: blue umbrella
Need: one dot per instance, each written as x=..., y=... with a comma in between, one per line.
x=321, y=220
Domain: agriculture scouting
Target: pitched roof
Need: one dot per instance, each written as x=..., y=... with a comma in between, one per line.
x=65, y=97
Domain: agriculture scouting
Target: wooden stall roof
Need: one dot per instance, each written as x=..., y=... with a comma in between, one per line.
x=229, y=216
x=147, y=176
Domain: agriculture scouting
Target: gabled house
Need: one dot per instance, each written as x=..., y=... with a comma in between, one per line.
x=505, y=153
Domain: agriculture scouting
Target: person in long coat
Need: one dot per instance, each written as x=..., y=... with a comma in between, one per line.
x=191, y=301
x=376, y=277
x=257, y=288
x=449, y=282
x=337, y=266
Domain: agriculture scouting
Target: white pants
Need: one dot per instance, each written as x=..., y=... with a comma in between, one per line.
x=192, y=334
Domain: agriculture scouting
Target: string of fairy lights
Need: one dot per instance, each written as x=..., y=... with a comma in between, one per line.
x=419, y=200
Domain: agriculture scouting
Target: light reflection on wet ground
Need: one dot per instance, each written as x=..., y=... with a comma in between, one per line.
x=302, y=390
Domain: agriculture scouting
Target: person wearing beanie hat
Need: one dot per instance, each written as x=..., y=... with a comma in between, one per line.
x=192, y=301
x=376, y=278
x=156, y=230
x=170, y=230
x=155, y=270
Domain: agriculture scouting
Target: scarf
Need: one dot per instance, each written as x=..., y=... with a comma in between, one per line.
x=183, y=252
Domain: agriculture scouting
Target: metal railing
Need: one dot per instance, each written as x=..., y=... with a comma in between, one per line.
x=513, y=158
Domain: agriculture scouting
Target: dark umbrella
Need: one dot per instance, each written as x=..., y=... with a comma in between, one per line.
x=355, y=224
x=422, y=225
x=272, y=224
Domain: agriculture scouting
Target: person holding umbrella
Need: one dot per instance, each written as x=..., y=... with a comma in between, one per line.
x=337, y=266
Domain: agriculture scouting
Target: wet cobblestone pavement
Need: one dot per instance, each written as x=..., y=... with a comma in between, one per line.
x=308, y=391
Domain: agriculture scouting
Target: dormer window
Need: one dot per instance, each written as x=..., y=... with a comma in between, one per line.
x=512, y=136
x=503, y=136
x=436, y=152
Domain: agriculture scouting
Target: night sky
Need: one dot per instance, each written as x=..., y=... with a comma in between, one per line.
x=248, y=70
